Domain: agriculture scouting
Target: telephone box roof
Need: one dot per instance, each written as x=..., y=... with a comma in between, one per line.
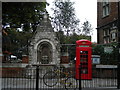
x=83, y=42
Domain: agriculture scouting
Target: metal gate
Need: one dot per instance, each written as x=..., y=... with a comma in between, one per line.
x=33, y=78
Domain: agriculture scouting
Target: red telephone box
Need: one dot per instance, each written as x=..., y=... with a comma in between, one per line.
x=83, y=59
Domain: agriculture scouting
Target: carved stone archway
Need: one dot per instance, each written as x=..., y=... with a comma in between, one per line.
x=44, y=53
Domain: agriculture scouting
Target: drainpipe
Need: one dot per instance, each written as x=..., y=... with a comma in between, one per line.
x=118, y=68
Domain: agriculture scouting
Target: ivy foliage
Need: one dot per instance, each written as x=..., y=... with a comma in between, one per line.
x=107, y=58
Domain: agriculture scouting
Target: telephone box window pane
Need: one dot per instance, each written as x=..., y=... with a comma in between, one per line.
x=81, y=56
x=84, y=68
x=84, y=62
x=84, y=71
x=86, y=52
x=84, y=57
x=84, y=65
x=83, y=52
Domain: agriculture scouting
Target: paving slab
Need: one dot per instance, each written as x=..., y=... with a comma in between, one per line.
x=100, y=89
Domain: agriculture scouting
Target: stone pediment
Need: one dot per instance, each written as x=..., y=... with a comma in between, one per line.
x=45, y=26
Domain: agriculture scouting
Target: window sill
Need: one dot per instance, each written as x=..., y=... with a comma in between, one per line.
x=105, y=16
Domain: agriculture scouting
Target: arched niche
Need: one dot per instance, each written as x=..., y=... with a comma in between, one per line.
x=44, y=53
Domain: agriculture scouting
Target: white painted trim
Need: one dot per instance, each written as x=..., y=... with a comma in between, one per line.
x=106, y=66
x=21, y=65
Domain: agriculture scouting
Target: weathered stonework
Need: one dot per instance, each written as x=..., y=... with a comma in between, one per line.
x=44, y=47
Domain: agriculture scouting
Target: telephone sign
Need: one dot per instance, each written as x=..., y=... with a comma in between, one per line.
x=83, y=59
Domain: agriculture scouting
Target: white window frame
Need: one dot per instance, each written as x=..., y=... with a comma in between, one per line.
x=114, y=35
x=106, y=8
x=106, y=35
x=106, y=32
x=106, y=40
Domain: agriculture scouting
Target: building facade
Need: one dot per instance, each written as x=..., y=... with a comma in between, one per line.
x=107, y=22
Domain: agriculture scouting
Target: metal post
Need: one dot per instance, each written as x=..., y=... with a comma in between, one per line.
x=118, y=69
x=118, y=76
x=37, y=77
x=80, y=88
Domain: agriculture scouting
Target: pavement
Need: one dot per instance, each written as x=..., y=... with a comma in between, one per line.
x=100, y=89
x=65, y=89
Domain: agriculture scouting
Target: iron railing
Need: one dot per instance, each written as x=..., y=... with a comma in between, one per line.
x=32, y=78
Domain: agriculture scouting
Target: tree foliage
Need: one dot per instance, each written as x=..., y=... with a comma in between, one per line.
x=24, y=16
x=64, y=18
x=87, y=28
x=69, y=44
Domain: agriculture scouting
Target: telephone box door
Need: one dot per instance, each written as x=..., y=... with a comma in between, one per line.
x=83, y=63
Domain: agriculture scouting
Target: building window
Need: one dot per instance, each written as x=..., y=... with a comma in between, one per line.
x=106, y=8
x=113, y=35
x=106, y=32
x=106, y=40
x=106, y=35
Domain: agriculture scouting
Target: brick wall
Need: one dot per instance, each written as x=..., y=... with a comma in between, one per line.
x=111, y=17
x=105, y=22
x=12, y=72
x=100, y=36
x=64, y=60
x=25, y=59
